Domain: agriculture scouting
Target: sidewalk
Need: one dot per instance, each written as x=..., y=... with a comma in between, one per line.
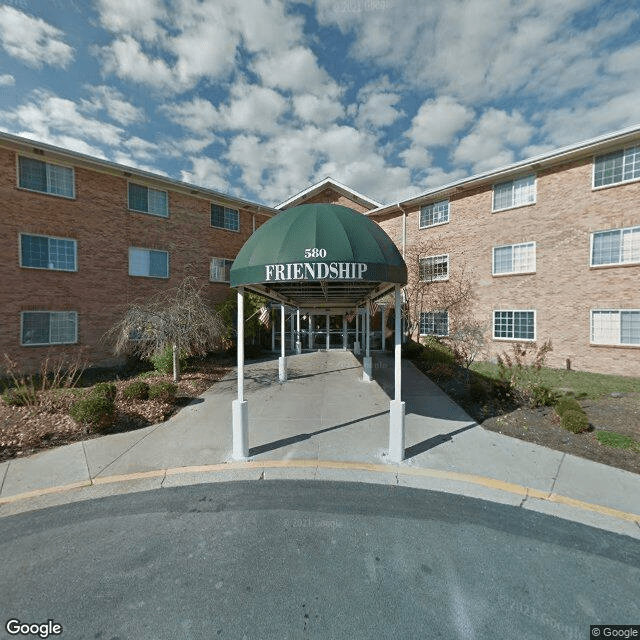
x=326, y=423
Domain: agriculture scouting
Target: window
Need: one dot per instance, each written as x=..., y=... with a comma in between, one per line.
x=433, y=214
x=514, y=258
x=620, y=166
x=434, y=268
x=220, y=270
x=514, y=325
x=615, y=326
x=515, y=193
x=148, y=200
x=434, y=323
x=49, y=327
x=37, y=175
x=619, y=246
x=43, y=252
x=224, y=218
x=147, y=262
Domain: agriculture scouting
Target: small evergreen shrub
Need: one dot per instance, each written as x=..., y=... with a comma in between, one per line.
x=21, y=396
x=97, y=411
x=252, y=351
x=434, y=352
x=567, y=403
x=138, y=390
x=575, y=421
x=411, y=350
x=542, y=396
x=163, y=391
x=163, y=363
x=104, y=390
x=478, y=391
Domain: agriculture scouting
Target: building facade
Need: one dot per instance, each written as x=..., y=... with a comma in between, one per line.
x=550, y=249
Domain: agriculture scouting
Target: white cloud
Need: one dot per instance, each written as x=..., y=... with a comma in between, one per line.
x=140, y=18
x=32, y=40
x=115, y=104
x=438, y=121
x=295, y=70
x=317, y=110
x=6, y=80
x=378, y=109
x=207, y=172
x=493, y=140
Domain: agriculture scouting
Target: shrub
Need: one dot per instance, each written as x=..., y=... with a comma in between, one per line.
x=21, y=396
x=567, y=403
x=445, y=371
x=138, y=390
x=434, y=352
x=97, y=411
x=163, y=363
x=252, y=351
x=617, y=440
x=575, y=421
x=106, y=390
x=542, y=396
x=163, y=391
x=478, y=391
x=411, y=350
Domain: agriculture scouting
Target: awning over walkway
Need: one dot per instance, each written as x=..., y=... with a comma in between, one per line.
x=319, y=256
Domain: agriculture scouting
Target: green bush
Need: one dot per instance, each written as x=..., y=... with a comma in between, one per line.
x=567, y=403
x=434, y=352
x=163, y=391
x=138, y=390
x=163, y=363
x=543, y=396
x=478, y=391
x=21, y=396
x=98, y=411
x=106, y=390
x=617, y=440
x=575, y=421
x=252, y=351
x=411, y=350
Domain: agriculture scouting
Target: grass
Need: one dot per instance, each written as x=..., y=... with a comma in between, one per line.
x=582, y=383
x=617, y=440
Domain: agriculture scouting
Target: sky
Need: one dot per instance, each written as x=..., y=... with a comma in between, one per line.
x=261, y=99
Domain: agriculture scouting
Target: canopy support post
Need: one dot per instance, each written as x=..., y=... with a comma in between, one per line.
x=239, y=407
x=298, y=341
x=282, y=360
x=367, y=369
x=310, y=332
x=291, y=332
x=397, y=407
x=344, y=332
x=356, y=344
x=328, y=335
x=273, y=332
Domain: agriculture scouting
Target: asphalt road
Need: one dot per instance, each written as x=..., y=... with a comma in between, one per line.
x=285, y=559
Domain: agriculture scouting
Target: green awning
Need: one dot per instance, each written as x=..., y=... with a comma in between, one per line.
x=317, y=255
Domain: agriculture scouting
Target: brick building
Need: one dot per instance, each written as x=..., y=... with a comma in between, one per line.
x=551, y=247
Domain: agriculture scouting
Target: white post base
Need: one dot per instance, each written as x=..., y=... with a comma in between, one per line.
x=356, y=348
x=240, y=411
x=298, y=347
x=396, y=431
x=367, y=369
x=282, y=369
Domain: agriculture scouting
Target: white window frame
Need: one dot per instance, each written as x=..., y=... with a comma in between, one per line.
x=618, y=342
x=512, y=338
x=632, y=150
x=139, y=275
x=439, y=278
x=149, y=190
x=438, y=335
x=513, y=262
x=515, y=184
x=620, y=262
x=46, y=344
x=49, y=268
x=225, y=211
x=433, y=206
x=224, y=266
x=48, y=166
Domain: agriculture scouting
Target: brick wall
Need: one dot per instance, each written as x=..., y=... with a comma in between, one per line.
x=99, y=220
x=564, y=287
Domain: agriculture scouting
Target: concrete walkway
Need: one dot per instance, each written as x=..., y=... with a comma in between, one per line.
x=326, y=423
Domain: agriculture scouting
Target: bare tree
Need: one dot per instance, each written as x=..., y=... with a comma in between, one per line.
x=179, y=318
x=431, y=288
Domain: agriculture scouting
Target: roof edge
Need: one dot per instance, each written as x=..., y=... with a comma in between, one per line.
x=329, y=181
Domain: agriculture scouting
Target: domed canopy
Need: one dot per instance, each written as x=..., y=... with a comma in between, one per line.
x=319, y=256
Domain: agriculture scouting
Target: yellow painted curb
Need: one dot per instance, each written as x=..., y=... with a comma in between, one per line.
x=490, y=483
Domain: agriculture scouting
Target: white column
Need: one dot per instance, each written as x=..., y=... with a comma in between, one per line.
x=367, y=368
x=397, y=407
x=383, y=325
x=310, y=332
x=298, y=341
x=282, y=361
x=293, y=337
x=327, y=325
x=239, y=407
x=273, y=332
x=344, y=332
x=356, y=344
